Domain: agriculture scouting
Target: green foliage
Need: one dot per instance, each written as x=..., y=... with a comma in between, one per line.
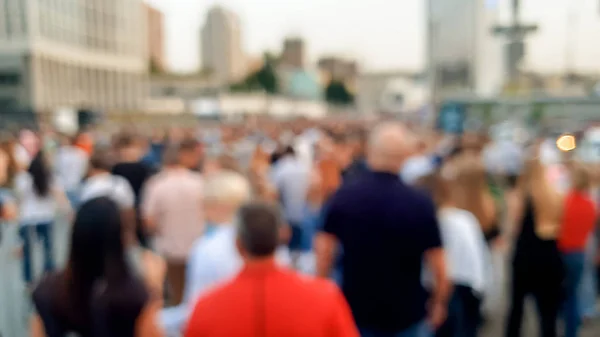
x=264, y=79
x=337, y=93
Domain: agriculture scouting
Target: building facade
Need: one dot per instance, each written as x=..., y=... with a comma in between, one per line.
x=463, y=53
x=156, y=38
x=338, y=69
x=56, y=53
x=222, y=52
x=293, y=53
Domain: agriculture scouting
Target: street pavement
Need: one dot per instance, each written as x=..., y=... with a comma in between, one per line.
x=15, y=307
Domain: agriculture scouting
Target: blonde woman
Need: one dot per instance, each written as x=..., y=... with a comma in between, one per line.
x=537, y=266
x=472, y=192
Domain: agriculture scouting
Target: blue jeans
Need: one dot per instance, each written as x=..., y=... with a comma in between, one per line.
x=574, y=263
x=43, y=232
x=588, y=288
x=420, y=329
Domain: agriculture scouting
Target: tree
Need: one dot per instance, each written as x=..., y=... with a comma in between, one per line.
x=264, y=79
x=337, y=93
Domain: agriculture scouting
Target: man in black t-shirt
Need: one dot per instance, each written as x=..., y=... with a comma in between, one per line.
x=386, y=230
x=135, y=171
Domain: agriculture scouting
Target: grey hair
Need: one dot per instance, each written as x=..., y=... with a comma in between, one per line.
x=258, y=227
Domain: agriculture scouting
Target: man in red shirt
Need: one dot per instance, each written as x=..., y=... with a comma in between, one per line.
x=265, y=300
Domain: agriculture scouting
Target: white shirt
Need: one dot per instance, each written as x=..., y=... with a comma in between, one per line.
x=214, y=259
x=70, y=165
x=467, y=255
x=291, y=177
x=33, y=208
x=107, y=185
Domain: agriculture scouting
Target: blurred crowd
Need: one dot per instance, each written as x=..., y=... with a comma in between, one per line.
x=299, y=228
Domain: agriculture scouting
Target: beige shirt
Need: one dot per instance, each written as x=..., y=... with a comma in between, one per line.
x=173, y=200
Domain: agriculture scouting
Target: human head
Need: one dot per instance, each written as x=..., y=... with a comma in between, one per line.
x=101, y=161
x=389, y=145
x=190, y=153
x=40, y=174
x=342, y=150
x=128, y=146
x=97, y=243
x=581, y=177
x=259, y=228
x=224, y=192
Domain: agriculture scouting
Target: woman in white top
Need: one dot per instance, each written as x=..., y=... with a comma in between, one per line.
x=467, y=257
x=39, y=200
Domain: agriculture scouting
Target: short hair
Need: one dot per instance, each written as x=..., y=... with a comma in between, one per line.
x=227, y=187
x=188, y=144
x=102, y=159
x=170, y=155
x=259, y=224
x=125, y=140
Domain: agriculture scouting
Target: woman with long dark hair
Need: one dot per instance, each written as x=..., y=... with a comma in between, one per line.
x=39, y=200
x=99, y=293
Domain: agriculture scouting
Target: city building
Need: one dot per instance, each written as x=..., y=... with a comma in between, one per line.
x=156, y=39
x=338, y=69
x=464, y=56
x=72, y=53
x=390, y=92
x=222, y=51
x=293, y=53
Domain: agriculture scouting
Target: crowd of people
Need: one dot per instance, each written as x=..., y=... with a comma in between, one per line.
x=302, y=228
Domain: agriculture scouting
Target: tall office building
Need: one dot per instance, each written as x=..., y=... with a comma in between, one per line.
x=222, y=51
x=73, y=52
x=293, y=53
x=463, y=53
x=156, y=38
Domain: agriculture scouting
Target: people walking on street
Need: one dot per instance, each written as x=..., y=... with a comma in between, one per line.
x=213, y=258
x=98, y=293
x=576, y=228
x=265, y=299
x=537, y=268
x=386, y=230
x=172, y=211
x=40, y=200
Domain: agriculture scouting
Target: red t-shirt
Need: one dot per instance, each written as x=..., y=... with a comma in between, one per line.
x=268, y=301
x=578, y=222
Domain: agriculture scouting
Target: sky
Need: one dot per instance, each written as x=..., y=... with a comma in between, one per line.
x=380, y=34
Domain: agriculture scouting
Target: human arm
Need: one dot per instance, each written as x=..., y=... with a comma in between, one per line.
x=435, y=258
x=147, y=324
x=326, y=241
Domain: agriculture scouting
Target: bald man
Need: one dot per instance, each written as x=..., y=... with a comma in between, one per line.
x=386, y=229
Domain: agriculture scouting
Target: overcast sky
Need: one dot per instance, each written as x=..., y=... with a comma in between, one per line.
x=381, y=34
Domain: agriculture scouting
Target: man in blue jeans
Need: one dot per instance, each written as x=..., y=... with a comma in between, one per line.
x=386, y=230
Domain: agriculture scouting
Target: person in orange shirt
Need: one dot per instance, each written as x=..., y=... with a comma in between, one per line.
x=577, y=225
x=266, y=300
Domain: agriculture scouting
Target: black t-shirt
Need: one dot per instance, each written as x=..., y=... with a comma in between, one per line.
x=384, y=228
x=136, y=174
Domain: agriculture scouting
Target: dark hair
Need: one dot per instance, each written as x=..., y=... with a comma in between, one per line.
x=97, y=272
x=188, y=144
x=125, y=140
x=288, y=151
x=40, y=174
x=259, y=225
